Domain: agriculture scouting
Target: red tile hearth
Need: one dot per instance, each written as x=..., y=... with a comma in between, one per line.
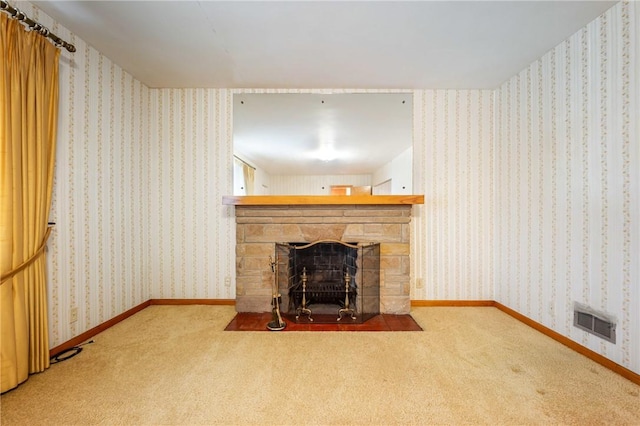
x=251, y=321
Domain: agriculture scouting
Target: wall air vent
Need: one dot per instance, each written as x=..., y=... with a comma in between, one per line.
x=594, y=322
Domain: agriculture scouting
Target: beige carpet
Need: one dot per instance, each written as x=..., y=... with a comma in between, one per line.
x=174, y=365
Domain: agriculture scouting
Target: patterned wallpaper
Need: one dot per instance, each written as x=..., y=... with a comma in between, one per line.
x=453, y=167
x=566, y=184
x=97, y=255
x=192, y=235
x=141, y=173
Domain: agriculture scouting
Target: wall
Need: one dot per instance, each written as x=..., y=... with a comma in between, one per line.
x=566, y=181
x=313, y=185
x=453, y=166
x=192, y=238
x=98, y=252
x=262, y=183
x=399, y=172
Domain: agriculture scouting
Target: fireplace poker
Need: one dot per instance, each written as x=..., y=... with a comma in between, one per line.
x=276, y=323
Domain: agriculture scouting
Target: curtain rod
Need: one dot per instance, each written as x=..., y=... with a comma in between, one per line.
x=243, y=162
x=35, y=26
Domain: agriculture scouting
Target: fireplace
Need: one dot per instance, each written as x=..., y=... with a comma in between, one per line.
x=329, y=281
x=263, y=222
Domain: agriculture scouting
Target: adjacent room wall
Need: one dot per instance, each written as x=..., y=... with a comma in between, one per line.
x=566, y=179
x=313, y=185
x=398, y=171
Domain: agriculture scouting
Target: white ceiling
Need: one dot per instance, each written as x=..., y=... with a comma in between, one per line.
x=323, y=44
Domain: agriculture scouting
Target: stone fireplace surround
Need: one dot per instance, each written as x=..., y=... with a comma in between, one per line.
x=262, y=221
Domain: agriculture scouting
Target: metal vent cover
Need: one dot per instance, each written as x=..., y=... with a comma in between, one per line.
x=599, y=324
x=583, y=320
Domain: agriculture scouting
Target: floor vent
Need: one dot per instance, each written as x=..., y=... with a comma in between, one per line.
x=594, y=322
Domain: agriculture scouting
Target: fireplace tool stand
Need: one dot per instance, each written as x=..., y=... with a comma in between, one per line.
x=346, y=310
x=277, y=323
x=303, y=309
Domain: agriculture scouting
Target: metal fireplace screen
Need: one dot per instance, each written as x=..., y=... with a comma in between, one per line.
x=329, y=281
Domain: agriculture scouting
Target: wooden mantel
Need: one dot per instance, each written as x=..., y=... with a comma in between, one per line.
x=296, y=200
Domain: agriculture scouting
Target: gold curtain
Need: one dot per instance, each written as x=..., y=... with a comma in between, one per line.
x=249, y=178
x=28, y=123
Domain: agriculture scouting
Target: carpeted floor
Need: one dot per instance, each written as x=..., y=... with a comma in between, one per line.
x=175, y=365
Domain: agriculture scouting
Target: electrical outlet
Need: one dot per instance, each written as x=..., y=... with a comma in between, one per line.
x=227, y=281
x=73, y=315
x=419, y=283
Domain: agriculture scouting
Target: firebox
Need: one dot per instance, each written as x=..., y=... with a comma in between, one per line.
x=329, y=281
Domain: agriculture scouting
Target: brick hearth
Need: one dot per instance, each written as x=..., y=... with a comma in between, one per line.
x=259, y=227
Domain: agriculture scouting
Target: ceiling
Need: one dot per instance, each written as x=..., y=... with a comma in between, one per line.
x=390, y=45
x=323, y=44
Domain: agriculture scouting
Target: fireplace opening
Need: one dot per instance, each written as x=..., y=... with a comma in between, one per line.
x=329, y=281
